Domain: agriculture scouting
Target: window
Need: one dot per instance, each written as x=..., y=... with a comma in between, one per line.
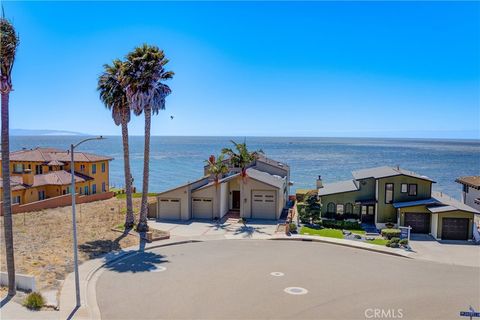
x=331, y=207
x=103, y=166
x=412, y=189
x=465, y=188
x=94, y=168
x=86, y=191
x=404, y=188
x=16, y=199
x=68, y=190
x=80, y=189
x=340, y=209
x=41, y=195
x=50, y=168
x=348, y=208
x=94, y=189
x=38, y=169
x=364, y=210
x=17, y=167
x=104, y=189
x=388, y=192
x=82, y=167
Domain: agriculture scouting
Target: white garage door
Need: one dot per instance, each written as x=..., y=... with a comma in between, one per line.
x=169, y=209
x=202, y=208
x=263, y=205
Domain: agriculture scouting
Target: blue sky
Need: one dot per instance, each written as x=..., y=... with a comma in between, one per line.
x=393, y=69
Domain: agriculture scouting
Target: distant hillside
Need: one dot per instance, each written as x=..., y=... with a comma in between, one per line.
x=29, y=132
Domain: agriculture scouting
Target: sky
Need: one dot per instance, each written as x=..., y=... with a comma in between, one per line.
x=355, y=69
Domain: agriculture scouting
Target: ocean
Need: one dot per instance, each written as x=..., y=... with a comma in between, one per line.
x=176, y=160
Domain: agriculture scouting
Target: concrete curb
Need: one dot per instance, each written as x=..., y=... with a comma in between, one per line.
x=343, y=244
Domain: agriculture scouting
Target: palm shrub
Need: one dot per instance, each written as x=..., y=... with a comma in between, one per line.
x=115, y=99
x=143, y=76
x=8, y=49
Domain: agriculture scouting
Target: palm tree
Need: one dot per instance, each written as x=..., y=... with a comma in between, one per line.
x=142, y=78
x=115, y=99
x=8, y=48
x=217, y=167
x=241, y=158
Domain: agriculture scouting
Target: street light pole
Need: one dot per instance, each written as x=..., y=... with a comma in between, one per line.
x=74, y=218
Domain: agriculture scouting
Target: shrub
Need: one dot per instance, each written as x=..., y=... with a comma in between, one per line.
x=347, y=225
x=394, y=245
x=318, y=222
x=293, y=227
x=391, y=233
x=403, y=242
x=34, y=301
x=310, y=210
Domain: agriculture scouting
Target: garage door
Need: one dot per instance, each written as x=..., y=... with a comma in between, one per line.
x=455, y=228
x=263, y=205
x=202, y=208
x=420, y=222
x=169, y=209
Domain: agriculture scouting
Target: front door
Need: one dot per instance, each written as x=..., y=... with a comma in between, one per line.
x=368, y=214
x=236, y=200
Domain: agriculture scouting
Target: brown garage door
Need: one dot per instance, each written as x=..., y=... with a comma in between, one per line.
x=455, y=228
x=420, y=222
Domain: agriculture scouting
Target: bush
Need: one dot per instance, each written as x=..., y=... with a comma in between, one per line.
x=310, y=210
x=394, y=245
x=403, y=242
x=34, y=301
x=318, y=222
x=293, y=227
x=347, y=225
x=391, y=233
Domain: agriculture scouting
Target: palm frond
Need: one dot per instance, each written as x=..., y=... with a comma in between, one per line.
x=8, y=43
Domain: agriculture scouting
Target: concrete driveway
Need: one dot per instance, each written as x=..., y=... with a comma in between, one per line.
x=207, y=230
x=464, y=253
x=281, y=280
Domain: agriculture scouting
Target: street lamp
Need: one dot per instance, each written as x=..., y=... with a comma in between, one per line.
x=74, y=219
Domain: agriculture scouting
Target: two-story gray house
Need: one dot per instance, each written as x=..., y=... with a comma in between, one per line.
x=385, y=195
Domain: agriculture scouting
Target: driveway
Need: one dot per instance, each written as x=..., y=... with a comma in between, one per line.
x=452, y=252
x=208, y=230
x=281, y=280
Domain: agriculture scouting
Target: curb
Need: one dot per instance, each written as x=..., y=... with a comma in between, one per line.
x=343, y=245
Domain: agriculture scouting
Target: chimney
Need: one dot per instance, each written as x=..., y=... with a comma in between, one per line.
x=319, y=182
x=27, y=177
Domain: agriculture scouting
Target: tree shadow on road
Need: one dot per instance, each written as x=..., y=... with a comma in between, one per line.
x=135, y=261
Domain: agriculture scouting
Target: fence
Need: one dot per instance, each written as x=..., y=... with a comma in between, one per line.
x=55, y=202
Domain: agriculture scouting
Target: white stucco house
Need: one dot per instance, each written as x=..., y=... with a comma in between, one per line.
x=262, y=194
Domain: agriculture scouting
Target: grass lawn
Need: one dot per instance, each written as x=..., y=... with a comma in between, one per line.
x=362, y=232
x=380, y=242
x=134, y=195
x=327, y=232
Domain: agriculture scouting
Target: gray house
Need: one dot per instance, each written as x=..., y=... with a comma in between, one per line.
x=384, y=195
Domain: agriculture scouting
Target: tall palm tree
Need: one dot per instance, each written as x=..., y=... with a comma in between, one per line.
x=8, y=49
x=115, y=99
x=142, y=78
x=241, y=158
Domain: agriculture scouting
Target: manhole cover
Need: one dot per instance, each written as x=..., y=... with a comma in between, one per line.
x=296, y=290
x=277, y=274
x=158, y=269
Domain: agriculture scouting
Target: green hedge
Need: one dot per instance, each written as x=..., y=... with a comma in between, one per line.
x=341, y=224
x=391, y=233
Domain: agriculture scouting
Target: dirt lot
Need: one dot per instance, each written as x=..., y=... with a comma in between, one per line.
x=43, y=239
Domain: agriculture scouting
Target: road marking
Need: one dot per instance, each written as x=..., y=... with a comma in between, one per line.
x=158, y=269
x=295, y=290
x=277, y=274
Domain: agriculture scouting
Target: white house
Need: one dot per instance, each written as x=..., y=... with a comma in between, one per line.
x=261, y=194
x=470, y=191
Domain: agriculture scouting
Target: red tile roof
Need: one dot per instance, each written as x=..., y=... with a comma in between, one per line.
x=47, y=155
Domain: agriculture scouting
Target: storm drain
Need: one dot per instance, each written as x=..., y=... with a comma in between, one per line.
x=296, y=290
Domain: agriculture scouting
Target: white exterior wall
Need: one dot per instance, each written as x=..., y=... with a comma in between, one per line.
x=224, y=198
x=434, y=226
x=182, y=195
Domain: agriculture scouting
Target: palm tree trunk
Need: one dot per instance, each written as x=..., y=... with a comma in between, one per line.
x=7, y=201
x=129, y=219
x=142, y=223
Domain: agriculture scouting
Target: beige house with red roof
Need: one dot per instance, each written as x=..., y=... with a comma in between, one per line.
x=42, y=173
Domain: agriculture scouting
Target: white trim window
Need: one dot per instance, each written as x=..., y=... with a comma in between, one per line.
x=340, y=209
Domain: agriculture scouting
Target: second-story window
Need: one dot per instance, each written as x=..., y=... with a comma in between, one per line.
x=18, y=167
x=94, y=168
x=82, y=167
x=412, y=189
x=404, y=188
x=388, y=192
x=103, y=166
x=38, y=169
